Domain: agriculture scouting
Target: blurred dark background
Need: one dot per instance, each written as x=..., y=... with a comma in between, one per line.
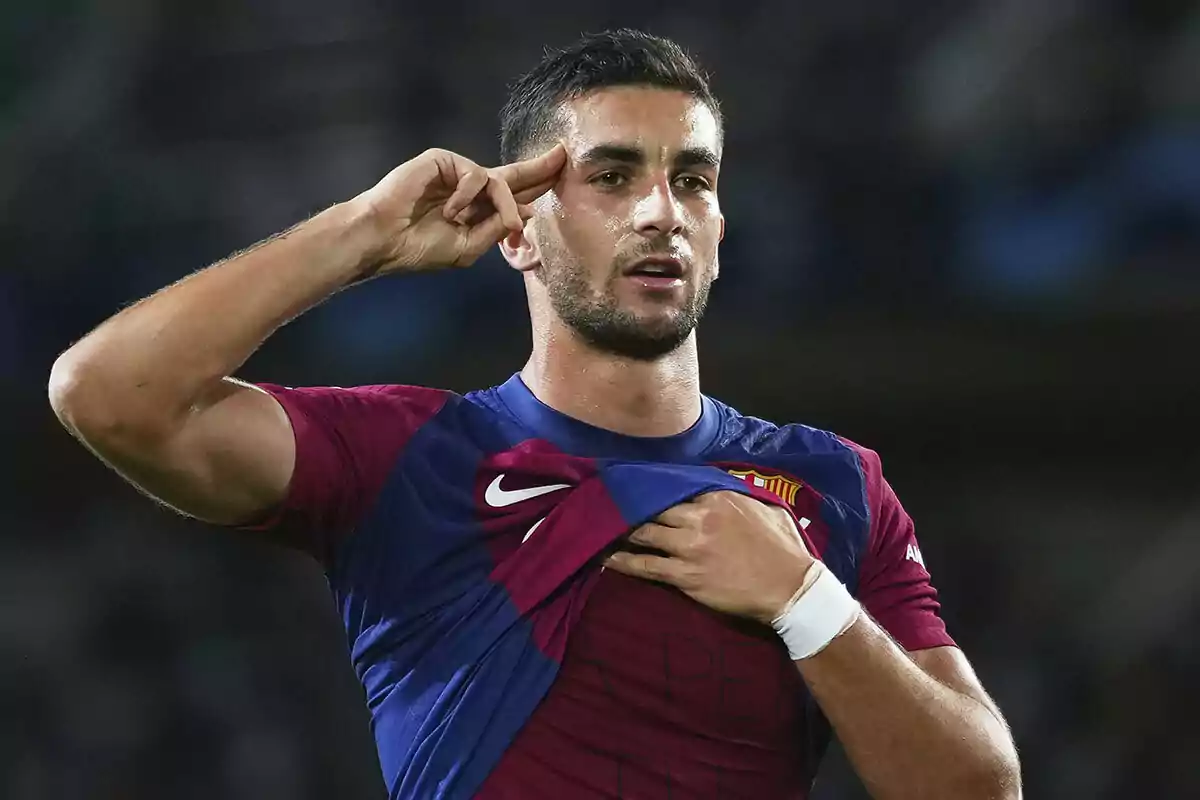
x=966, y=234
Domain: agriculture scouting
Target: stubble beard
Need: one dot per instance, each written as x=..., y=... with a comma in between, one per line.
x=601, y=322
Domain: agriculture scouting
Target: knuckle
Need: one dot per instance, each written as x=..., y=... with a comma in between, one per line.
x=689, y=580
x=499, y=186
x=727, y=498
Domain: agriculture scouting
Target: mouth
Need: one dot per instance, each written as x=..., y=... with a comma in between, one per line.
x=657, y=272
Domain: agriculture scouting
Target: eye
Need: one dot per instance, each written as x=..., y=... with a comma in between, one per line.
x=609, y=179
x=693, y=183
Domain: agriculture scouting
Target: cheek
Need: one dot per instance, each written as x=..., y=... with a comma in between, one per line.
x=710, y=233
x=704, y=217
x=589, y=231
x=706, y=245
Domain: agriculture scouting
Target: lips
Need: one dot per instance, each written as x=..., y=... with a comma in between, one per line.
x=656, y=267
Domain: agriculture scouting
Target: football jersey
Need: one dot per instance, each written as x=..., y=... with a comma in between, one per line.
x=463, y=536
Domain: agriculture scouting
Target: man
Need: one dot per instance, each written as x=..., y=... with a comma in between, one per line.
x=593, y=580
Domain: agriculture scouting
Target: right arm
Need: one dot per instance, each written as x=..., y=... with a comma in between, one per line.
x=148, y=390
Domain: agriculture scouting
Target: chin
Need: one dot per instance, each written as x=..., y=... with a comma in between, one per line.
x=664, y=327
x=637, y=338
x=651, y=312
x=640, y=328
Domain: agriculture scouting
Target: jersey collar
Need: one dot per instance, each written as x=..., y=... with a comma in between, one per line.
x=580, y=438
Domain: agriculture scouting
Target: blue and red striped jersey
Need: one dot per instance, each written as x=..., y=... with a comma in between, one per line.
x=462, y=537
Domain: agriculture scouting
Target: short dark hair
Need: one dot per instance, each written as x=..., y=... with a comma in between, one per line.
x=622, y=57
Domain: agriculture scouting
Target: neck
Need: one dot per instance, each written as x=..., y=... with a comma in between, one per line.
x=636, y=398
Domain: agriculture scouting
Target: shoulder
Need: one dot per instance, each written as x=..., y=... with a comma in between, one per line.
x=373, y=404
x=391, y=415
x=757, y=436
x=376, y=418
x=383, y=394
x=831, y=463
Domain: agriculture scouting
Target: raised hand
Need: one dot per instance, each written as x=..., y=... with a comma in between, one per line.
x=441, y=209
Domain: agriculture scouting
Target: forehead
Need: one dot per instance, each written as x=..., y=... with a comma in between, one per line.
x=652, y=119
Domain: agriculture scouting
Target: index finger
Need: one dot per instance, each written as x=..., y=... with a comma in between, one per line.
x=659, y=537
x=640, y=565
x=521, y=175
x=682, y=515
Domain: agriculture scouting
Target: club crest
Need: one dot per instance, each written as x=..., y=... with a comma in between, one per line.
x=783, y=488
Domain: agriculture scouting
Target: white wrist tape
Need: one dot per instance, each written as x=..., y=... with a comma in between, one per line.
x=816, y=615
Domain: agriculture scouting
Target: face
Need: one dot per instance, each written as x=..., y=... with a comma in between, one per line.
x=625, y=247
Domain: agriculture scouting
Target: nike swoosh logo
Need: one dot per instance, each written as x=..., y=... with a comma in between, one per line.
x=499, y=498
x=525, y=538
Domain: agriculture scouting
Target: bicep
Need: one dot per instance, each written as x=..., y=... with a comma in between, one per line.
x=298, y=466
x=230, y=462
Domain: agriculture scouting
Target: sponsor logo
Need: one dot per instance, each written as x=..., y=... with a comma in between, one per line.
x=529, y=533
x=913, y=553
x=499, y=498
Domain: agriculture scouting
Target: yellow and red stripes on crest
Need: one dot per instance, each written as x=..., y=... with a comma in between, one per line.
x=783, y=488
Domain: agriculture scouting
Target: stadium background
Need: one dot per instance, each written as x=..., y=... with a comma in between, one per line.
x=966, y=234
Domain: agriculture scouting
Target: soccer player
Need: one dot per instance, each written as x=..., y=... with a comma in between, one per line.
x=592, y=581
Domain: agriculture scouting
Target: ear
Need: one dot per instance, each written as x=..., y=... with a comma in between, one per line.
x=520, y=250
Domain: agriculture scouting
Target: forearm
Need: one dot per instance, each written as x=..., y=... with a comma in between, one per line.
x=152, y=361
x=907, y=734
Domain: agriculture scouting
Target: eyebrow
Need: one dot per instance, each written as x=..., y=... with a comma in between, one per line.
x=627, y=154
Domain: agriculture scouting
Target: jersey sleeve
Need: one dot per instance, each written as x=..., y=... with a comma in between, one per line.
x=348, y=440
x=894, y=585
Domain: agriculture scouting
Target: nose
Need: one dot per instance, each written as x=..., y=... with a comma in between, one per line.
x=658, y=212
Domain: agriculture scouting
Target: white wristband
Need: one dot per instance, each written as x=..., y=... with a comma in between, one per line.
x=817, y=615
